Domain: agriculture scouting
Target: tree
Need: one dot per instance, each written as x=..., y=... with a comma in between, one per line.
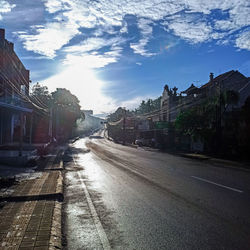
x=148, y=106
x=40, y=95
x=197, y=122
x=63, y=97
x=66, y=111
x=200, y=122
x=206, y=120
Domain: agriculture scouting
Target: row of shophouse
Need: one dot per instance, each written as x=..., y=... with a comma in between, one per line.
x=156, y=125
x=22, y=122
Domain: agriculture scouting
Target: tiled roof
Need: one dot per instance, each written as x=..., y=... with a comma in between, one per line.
x=230, y=76
x=190, y=89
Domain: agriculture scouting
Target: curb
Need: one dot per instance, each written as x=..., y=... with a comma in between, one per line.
x=197, y=157
x=219, y=162
x=55, y=241
x=229, y=164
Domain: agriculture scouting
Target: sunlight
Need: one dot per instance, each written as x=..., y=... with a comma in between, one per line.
x=83, y=83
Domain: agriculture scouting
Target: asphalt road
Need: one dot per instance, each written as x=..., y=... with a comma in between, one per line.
x=121, y=197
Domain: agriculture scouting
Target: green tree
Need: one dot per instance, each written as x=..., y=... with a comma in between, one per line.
x=66, y=111
x=148, y=106
x=199, y=121
x=40, y=95
x=206, y=120
x=63, y=97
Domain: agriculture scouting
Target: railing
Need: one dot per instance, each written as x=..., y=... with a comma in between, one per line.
x=13, y=100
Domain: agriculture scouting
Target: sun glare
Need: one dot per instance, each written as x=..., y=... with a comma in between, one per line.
x=83, y=83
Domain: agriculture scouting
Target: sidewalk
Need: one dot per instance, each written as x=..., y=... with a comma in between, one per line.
x=30, y=218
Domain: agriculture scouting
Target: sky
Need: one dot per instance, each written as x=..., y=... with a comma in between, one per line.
x=112, y=53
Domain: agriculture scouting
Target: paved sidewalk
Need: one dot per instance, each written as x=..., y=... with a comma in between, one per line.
x=30, y=217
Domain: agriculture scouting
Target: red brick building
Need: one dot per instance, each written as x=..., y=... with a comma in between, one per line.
x=14, y=92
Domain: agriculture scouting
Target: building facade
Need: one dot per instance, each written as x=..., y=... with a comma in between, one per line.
x=14, y=92
x=172, y=103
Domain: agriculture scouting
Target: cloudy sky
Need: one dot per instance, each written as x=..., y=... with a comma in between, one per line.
x=114, y=53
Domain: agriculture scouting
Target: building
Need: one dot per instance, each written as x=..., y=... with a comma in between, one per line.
x=172, y=103
x=232, y=85
x=14, y=95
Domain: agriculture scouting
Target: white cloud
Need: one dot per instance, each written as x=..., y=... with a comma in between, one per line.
x=94, y=43
x=103, y=15
x=225, y=25
x=146, y=30
x=5, y=7
x=114, y=52
x=243, y=40
x=192, y=32
x=92, y=61
x=145, y=26
x=139, y=48
x=133, y=103
x=124, y=28
x=48, y=39
x=87, y=52
x=53, y=6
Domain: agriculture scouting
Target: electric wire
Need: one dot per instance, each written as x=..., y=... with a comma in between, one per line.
x=17, y=91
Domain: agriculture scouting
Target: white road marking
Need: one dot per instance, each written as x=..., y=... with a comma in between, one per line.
x=217, y=184
x=98, y=224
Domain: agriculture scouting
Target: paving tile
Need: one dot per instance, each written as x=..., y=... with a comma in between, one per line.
x=43, y=232
x=30, y=234
x=43, y=237
x=42, y=243
x=28, y=225
x=45, y=228
x=27, y=244
x=26, y=248
x=42, y=248
x=29, y=239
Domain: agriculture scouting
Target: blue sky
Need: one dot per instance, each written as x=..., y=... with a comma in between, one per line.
x=114, y=53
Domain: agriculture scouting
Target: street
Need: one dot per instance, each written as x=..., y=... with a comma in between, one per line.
x=121, y=197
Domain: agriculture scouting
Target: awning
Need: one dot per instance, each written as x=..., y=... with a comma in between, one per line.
x=13, y=107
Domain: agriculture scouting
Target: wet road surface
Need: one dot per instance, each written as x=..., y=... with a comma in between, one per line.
x=119, y=197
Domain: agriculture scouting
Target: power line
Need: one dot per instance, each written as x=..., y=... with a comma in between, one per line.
x=23, y=80
x=21, y=94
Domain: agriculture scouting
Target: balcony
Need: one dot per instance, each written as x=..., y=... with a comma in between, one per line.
x=14, y=102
